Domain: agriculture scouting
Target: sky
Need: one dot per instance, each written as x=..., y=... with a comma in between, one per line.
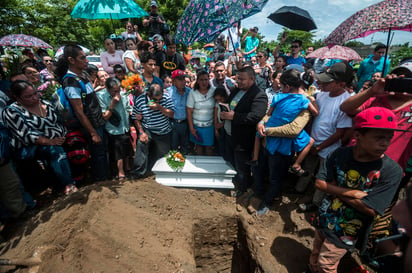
x=327, y=14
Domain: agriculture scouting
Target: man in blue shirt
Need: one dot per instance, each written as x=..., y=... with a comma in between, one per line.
x=251, y=43
x=373, y=63
x=178, y=93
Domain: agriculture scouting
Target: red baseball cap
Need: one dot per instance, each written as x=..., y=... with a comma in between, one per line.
x=376, y=118
x=178, y=74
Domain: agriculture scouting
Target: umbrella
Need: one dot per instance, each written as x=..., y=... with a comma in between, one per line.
x=107, y=9
x=60, y=51
x=23, y=40
x=204, y=20
x=384, y=16
x=294, y=18
x=335, y=52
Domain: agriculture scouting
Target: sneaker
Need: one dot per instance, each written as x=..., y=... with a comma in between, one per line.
x=263, y=209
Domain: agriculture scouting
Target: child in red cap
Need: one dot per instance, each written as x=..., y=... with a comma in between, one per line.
x=360, y=182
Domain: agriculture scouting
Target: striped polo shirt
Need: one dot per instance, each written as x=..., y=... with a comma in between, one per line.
x=153, y=120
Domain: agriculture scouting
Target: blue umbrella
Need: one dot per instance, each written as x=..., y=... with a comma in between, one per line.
x=204, y=20
x=107, y=9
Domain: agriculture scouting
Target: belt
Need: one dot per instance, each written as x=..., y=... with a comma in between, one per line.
x=179, y=120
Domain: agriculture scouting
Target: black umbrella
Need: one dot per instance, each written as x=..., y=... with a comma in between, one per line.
x=294, y=18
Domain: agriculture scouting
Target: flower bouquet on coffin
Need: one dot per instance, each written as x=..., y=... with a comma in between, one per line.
x=175, y=160
x=132, y=84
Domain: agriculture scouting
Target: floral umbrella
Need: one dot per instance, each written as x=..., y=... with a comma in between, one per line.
x=23, y=40
x=335, y=52
x=383, y=16
x=204, y=20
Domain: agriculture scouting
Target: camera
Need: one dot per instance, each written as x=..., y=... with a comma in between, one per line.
x=401, y=85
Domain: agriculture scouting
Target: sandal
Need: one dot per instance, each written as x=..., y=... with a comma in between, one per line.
x=70, y=189
x=298, y=172
x=121, y=178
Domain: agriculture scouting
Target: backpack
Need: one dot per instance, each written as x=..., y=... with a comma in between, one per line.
x=67, y=115
x=4, y=145
x=75, y=146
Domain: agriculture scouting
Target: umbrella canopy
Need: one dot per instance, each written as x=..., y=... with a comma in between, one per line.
x=204, y=20
x=60, y=51
x=294, y=18
x=335, y=52
x=383, y=16
x=23, y=40
x=107, y=9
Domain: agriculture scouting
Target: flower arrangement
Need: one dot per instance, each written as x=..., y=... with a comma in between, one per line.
x=175, y=160
x=132, y=83
x=48, y=90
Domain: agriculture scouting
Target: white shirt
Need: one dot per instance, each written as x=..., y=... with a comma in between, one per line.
x=329, y=119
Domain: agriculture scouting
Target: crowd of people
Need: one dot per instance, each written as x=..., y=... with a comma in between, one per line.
x=267, y=119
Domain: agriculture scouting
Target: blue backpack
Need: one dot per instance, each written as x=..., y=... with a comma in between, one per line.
x=67, y=114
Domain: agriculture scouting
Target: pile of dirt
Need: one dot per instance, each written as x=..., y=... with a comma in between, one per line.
x=141, y=226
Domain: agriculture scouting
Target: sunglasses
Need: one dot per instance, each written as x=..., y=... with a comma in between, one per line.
x=259, y=56
x=48, y=61
x=294, y=46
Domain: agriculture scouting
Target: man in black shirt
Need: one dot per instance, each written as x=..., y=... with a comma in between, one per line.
x=155, y=21
x=171, y=60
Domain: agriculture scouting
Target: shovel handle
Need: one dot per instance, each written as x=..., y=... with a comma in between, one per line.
x=22, y=262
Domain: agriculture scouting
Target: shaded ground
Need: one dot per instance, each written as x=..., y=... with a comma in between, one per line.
x=141, y=226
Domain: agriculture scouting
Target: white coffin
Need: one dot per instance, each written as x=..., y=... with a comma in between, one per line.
x=198, y=172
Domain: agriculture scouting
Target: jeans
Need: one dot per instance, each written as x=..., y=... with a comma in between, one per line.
x=148, y=153
x=180, y=136
x=278, y=169
x=99, y=161
x=244, y=178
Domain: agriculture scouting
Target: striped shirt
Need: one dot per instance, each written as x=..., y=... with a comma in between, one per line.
x=153, y=120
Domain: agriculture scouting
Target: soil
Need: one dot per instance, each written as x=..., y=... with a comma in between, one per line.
x=142, y=226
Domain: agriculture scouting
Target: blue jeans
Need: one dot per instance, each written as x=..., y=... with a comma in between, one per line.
x=99, y=161
x=278, y=169
x=148, y=153
x=180, y=136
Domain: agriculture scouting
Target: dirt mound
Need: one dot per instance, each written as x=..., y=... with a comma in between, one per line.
x=141, y=226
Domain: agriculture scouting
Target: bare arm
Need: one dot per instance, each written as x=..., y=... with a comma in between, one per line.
x=190, y=121
x=244, y=36
x=277, y=48
x=332, y=139
x=130, y=65
x=77, y=106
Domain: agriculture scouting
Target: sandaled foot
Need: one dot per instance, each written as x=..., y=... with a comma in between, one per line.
x=298, y=172
x=122, y=178
x=70, y=189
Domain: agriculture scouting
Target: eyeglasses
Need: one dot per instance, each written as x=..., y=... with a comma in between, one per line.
x=48, y=61
x=294, y=46
x=259, y=56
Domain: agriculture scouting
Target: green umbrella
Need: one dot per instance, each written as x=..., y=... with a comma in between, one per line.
x=107, y=9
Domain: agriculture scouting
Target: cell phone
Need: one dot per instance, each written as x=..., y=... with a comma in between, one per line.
x=223, y=107
x=401, y=85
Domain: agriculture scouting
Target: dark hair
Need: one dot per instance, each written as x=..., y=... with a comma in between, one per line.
x=154, y=90
x=379, y=47
x=91, y=68
x=249, y=70
x=292, y=78
x=307, y=79
x=199, y=74
x=118, y=67
x=284, y=60
x=108, y=38
x=220, y=91
x=26, y=51
x=24, y=68
x=165, y=76
x=144, y=45
x=130, y=39
x=63, y=63
x=276, y=73
x=18, y=87
x=299, y=42
x=146, y=56
x=170, y=40
x=220, y=63
x=111, y=82
x=264, y=53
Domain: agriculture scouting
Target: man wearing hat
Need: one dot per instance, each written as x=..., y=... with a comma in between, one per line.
x=361, y=182
x=155, y=21
x=329, y=126
x=178, y=93
x=251, y=43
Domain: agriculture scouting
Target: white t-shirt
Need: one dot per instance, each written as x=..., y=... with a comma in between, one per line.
x=136, y=61
x=203, y=107
x=329, y=119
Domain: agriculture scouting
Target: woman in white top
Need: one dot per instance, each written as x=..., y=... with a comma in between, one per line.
x=200, y=109
x=111, y=56
x=131, y=59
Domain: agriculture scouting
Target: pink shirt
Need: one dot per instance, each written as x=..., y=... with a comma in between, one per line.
x=108, y=60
